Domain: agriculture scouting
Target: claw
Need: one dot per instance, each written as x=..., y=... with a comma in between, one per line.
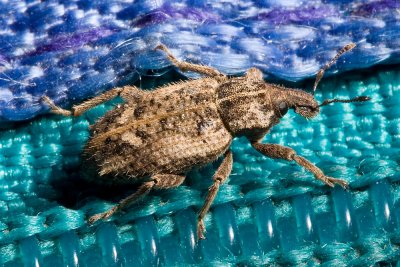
x=340, y=182
x=104, y=215
x=55, y=109
x=330, y=181
x=161, y=47
x=200, y=230
x=169, y=54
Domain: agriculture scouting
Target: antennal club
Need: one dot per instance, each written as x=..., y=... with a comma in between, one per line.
x=321, y=72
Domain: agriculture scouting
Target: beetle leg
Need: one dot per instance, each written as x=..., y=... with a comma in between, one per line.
x=77, y=110
x=158, y=181
x=219, y=177
x=186, y=66
x=281, y=152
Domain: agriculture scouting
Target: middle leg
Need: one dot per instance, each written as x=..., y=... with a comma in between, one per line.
x=219, y=177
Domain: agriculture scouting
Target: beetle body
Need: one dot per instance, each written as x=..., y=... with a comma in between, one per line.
x=184, y=125
x=156, y=137
x=168, y=130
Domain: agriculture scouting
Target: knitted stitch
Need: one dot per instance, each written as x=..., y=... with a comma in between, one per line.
x=72, y=50
x=269, y=211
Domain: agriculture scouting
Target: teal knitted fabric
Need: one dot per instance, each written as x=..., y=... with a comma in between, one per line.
x=268, y=212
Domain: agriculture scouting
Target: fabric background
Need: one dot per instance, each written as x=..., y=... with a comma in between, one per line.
x=269, y=212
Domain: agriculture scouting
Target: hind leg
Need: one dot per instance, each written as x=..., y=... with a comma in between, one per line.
x=77, y=110
x=158, y=181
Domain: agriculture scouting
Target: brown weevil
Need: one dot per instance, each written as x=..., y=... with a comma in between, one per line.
x=156, y=137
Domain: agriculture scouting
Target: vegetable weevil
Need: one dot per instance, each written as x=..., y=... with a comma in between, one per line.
x=156, y=137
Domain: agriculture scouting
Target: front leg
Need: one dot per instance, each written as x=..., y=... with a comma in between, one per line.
x=281, y=152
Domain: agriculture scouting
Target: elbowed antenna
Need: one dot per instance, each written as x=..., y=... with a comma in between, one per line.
x=321, y=72
x=335, y=100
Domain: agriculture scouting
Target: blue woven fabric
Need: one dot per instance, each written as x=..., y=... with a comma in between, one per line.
x=72, y=50
x=269, y=212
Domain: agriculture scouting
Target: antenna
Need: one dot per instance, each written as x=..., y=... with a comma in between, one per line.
x=356, y=99
x=321, y=72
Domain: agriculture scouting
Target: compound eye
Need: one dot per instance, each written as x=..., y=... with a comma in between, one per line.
x=283, y=108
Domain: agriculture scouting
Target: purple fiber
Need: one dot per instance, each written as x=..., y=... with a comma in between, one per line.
x=4, y=63
x=375, y=7
x=284, y=16
x=71, y=41
x=167, y=12
x=3, y=59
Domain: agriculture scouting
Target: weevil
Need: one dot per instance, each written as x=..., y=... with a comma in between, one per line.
x=156, y=137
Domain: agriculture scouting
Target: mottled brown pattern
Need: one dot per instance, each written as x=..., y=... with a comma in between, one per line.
x=249, y=108
x=169, y=130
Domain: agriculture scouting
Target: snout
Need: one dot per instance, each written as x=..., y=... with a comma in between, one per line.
x=307, y=112
x=303, y=103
